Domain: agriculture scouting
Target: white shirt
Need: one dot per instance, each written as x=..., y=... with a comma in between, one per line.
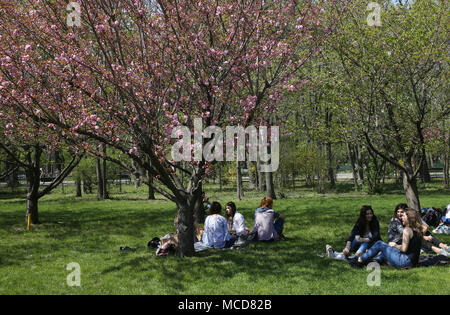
x=239, y=223
x=215, y=231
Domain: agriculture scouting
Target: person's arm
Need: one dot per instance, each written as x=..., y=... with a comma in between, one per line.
x=353, y=233
x=407, y=234
x=375, y=233
x=240, y=223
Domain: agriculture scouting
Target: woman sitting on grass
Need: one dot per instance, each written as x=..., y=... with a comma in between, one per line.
x=429, y=242
x=215, y=232
x=268, y=223
x=236, y=222
x=364, y=234
x=405, y=255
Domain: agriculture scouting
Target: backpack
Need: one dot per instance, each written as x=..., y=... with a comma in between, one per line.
x=431, y=216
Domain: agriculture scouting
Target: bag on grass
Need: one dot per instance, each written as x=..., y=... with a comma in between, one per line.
x=431, y=216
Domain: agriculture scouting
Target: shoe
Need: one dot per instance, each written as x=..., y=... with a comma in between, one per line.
x=355, y=263
x=444, y=252
x=330, y=251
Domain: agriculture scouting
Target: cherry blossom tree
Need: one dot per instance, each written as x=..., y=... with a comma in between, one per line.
x=134, y=70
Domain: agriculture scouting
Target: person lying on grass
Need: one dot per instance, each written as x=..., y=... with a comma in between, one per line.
x=215, y=232
x=236, y=221
x=364, y=234
x=268, y=223
x=429, y=242
x=405, y=255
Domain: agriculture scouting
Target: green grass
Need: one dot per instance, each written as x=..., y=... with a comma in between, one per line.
x=90, y=233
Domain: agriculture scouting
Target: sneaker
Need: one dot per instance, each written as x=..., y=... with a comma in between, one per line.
x=355, y=263
x=444, y=252
x=330, y=251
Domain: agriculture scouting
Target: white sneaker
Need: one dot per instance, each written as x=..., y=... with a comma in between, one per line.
x=444, y=252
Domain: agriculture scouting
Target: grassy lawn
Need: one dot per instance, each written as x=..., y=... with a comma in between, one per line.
x=90, y=233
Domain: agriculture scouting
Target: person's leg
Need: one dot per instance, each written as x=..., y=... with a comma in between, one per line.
x=278, y=225
x=372, y=252
x=355, y=246
x=362, y=249
x=392, y=255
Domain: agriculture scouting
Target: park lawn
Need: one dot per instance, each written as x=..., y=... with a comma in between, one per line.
x=90, y=233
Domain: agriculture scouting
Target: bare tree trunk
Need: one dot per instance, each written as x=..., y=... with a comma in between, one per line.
x=251, y=177
x=352, y=159
x=446, y=155
x=220, y=177
x=185, y=229
x=99, y=179
x=261, y=183
x=78, y=187
x=330, y=166
x=360, y=163
x=240, y=189
x=105, y=176
x=411, y=191
x=33, y=175
x=151, y=191
x=270, y=189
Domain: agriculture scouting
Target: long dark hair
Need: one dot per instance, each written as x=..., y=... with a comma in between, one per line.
x=362, y=218
x=399, y=206
x=233, y=208
x=215, y=208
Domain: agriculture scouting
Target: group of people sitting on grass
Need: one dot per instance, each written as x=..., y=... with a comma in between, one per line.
x=407, y=235
x=221, y=232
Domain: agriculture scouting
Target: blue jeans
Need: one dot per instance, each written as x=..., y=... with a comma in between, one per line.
x=359, y=246
x=278, y=226
x=384, y=252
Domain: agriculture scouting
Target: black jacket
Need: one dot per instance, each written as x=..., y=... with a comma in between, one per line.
x=374, y=229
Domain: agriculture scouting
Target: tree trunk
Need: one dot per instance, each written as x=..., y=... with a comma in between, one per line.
x=185, y=229
x=33, y=175
x=199, y=212
x=330, y=166
x=32, y=209
x=251, y=177
x=424, y=169
x=78, y=186
x=446, y=142
x=352, y=159
x=99, y=179
x=12, y=179
x=151, y=191
x=270, y=189
x=240, y=190
x=105, y=177
x=411, y=191
x=360, y=163
x=220, y=177
x=261, y=178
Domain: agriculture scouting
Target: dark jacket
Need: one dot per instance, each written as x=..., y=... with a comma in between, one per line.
x=374, y=229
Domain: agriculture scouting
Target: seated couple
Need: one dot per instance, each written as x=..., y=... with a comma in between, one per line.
x=406, y=238
x=220, y=233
